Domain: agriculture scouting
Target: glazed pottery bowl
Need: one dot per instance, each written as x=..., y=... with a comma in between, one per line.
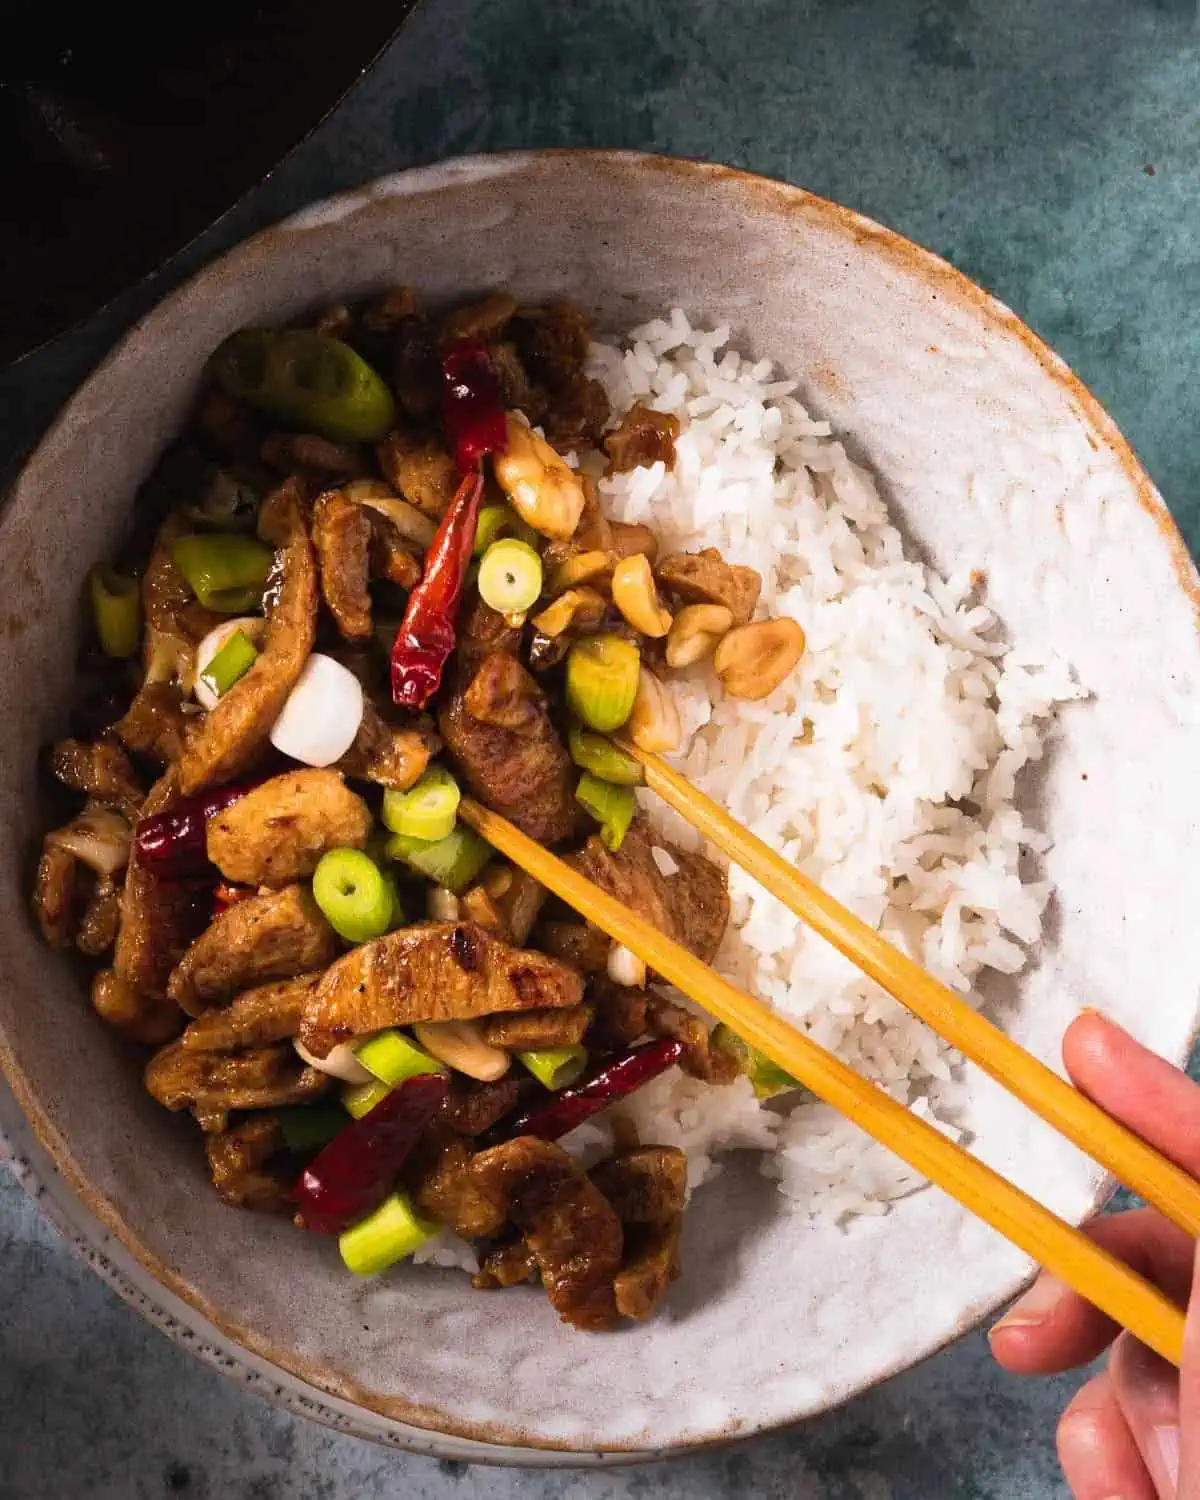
x=992, y=456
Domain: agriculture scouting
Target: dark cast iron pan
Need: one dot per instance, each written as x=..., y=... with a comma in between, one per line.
x=126, y=130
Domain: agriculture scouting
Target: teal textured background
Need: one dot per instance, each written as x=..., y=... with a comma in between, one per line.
x=1051, y=150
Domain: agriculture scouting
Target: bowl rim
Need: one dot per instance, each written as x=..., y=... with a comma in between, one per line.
x=780, y=198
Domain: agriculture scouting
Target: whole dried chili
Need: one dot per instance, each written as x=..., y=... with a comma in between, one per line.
x=354, y=1173
x=556, y=1114
x=473, y=416
x=173, y=844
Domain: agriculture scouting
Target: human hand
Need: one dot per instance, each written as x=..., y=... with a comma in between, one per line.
x=1133, y=1431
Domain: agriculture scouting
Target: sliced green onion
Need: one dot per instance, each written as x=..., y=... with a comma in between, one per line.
x=389, y=879
x=427, y=810
x=766, y=1077
x=350, y=889
x=452, y=862
x=594, y=753
x=612, y=807
x=306, y=380
x=233, y=660
x=226, y=572
x=361, y=1098
x=510, y=576
x=496, y=521
x=602, y=681
x=555, y=1067
x=393, y=1057
x=392, y=1232
x=314, y=1125
x=116, y=611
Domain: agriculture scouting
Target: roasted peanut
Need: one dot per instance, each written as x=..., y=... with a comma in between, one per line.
x=753, y=660
x=635, y=595
x=696, y=630
x=582, y=568
x=461, y=1044
x=654, y=723
x=583, y=608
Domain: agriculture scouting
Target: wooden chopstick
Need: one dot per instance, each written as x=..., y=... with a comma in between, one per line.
x=1101, y=1278
x=1139, y=1166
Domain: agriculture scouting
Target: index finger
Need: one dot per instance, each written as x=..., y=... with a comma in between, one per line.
x=1135, y=1086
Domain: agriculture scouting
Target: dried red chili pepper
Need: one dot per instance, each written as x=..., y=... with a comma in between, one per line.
x=173, y=844
x=472, y=403
x=354, y=1173
x=556, y=1114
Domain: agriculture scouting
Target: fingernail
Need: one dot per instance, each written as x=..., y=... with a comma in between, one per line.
x=1167, y=1439
x=1034, y=1307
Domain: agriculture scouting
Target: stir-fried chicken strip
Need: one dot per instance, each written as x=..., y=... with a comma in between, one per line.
x=472, y=1108
x=701, y=1059
x=101, y=770
x=386, y=754
x=528, y=1030
x=443, y=1187
x=577, y=943
x=140, y=1017
x=649, y=1265
x=482, y=630
x=341, y=535
x=618, y=1014
x=509, y=1264
x=268, y=1013
x=100, y=921
x=212, y=1083
x=238, y=1159
x=706, y=578
x=523, y=773
x=159, y=918
x=155, y=723
x=277, y=935
x=55, y=896
x=176, y=621
x=437, y=971
x=691, y=906
x=419, y=467
x=277, y=833
x=647, y=1187
x=233, y=735
x=568, y=1224
x=643, y=437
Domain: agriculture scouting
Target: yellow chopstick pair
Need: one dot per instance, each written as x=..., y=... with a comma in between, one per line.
x=1095, y=1274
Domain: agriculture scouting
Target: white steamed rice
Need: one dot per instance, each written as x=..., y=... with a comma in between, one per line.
x=883, y=767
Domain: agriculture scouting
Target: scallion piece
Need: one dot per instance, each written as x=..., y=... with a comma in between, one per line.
x=312, y=1126
x=392, y=1232
x=602, y=681
x=427, y=810
x=116, y=611
x=597, y=754
x=392, y=1057
x=555, y=1067
x=233, y=660
x=227, y=572
x=361, y=1098
x=496, y=521
x=612, y=807
x=350, y=889
x=766, y=1077
x=510, y=576
x=452, y=862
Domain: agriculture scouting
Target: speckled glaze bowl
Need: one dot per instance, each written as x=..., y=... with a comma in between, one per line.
x=993, y=456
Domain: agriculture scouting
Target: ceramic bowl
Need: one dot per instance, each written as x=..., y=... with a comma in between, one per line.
x=993, y=456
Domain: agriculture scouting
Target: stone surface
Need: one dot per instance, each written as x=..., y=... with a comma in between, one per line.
x=1049, y=151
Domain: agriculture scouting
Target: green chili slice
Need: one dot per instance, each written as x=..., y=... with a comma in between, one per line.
x=116, y=611
x=392, y=1057
x=496, y=521
x=227, y=572
x=510, y=576
x=612, y=807
x=766, y=1077
x=388, y=1234
x=594, y=753
x=555, y=1067
x=452, y=862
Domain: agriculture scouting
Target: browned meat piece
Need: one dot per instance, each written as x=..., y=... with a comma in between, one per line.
x=569, y=1225
x=341, y=535
x=390, y=557
x=420, y=468
x=155, y=723
x=306, y=453
x=650, y=1264
x=528, y=775
x=702, y=1060
x=691, y=906
x=224, y=421
x=335, y=322
x=645, y=1186
x=140, y=1017
x=619, y=1014
x=390, y=310
x=553, y=342
x=176, y=621
x=472, y=1108
x=482, y=630
x=578, y=943
x=531, y=1029
x=232, y=735
x=159, y=918
x=706, y=578
x=55, y=897
x=277, y=833
x=519, y=903
x=479, y=320
x=101, y=770
x=273, y=936
x=517, y=390
x=213, y=1083
x=506, y=1265
x=644, y=437
x=392, y=757
x=576, y=415
x=443, y=1187
x=629, y=537
x=238, y=1160
x=268, y=1013
x=477, y=906
x=438, y=971
x=503, y=694
x=416, y=378
x=100, y=921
